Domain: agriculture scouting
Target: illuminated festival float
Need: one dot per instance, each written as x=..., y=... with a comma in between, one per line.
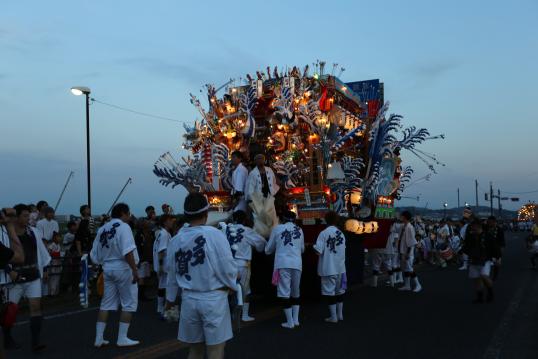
x=527, y=212
x=330, y=143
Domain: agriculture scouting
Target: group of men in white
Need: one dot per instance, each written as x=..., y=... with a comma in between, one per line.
x=205, y=265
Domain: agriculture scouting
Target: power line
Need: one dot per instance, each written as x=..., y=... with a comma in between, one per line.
x=535, y=191
x=136, y=112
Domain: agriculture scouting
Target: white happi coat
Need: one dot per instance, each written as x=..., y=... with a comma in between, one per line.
x=239, y=184
x=200, y=260
x=242, y=239
x=287, y=242
x=407, y=239
x=255, y=184
x=112, y=243
x=162, y=239
x=392, y=240
x=331, y=246
x=43, y=257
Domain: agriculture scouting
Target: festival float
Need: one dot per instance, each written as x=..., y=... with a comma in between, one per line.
x=330, y=143
x=527, y=212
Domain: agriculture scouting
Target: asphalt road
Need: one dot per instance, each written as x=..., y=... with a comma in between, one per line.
x=440, y=322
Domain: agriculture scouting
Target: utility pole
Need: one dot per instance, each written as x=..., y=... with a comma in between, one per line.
x=476, y=192
x=500, y=206
x=491, y=198
x=458, y=198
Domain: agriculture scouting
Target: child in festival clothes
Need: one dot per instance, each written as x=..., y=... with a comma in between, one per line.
x=242, y=239
x=287, y=242
x=205, y=271
x=55, y=251
x=331, y=247
x=160, y=245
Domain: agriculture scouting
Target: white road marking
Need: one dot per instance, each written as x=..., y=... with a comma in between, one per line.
x=61, y=315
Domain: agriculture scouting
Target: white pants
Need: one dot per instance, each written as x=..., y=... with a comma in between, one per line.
x=244, y=279
x=119, y=289
x=144, y=270
x=332, y=285
x=407, y=264
x=163, y=280
x=205, y=318
x=289, y=283
x=380, y=259
x=395, y=260
x=30, y=290
x=477, y=271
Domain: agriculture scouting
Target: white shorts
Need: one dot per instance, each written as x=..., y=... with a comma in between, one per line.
x=289, y=283
x=119, y=289
x=395, y=260
x=205, y=318
x=244, y=279
x=407, y=264
x=163, y=280
x=380, y=259
x=144, y=270
x=477, y=271
x=29, y=290
x=332, y=285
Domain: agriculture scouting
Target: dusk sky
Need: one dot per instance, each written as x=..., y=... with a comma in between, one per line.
x=466, y=69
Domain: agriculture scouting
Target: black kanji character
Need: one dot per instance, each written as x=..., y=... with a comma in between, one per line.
x=198, y=251
x=182, y=263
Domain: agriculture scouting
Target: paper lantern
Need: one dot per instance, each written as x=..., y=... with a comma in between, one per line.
x=356, y=197
x=352, y=225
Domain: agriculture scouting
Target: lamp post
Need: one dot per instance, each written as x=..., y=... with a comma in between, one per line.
x=78, y=91
x=445, y=205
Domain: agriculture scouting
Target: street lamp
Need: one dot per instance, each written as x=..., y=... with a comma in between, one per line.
x=445, y=205
x=78, y=91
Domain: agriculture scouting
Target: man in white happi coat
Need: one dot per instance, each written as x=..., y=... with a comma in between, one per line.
x=114, y=249
x=331, y=247
x=261, y=189
x=406, y=245
x=242, y=239
x=239, y=182
x=287, y=242
x=162, y=239
x=205, y=270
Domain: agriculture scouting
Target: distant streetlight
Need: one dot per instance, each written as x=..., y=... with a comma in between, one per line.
x=78, y=91
x=445, y=205
x=466, y=204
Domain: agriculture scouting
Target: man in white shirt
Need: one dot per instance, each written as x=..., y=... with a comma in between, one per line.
x=287, y=242
x=331, y=247
x=205, y=270
x=239, y=182
x=406, y=245
x=261, y=189
x=242, y=239
x=114, y=249
x=160, y=245
x=47, y=226
x=467, y=218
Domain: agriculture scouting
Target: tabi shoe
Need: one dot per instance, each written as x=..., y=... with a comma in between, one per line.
x=126, y=342
x=101, y=343
x=289, y=319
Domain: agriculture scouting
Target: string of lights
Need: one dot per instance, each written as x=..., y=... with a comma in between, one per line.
x=135, y=112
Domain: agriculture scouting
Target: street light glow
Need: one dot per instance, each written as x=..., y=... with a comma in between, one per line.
x=80, y=90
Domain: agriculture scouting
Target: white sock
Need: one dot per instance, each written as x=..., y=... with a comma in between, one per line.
x=122, y=332
x=160, y=305
x=392, y=279
x=289, y=318
x=416, y=282
x=245, y=316
x=374, y=281
x=332, y=311
x=99, y=331
x=340, y=310
x=295, y=311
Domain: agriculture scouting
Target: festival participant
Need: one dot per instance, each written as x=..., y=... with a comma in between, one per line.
x=69, y=237
x=239, y=181
x=287, y=242
x=242, y=239
x=114, y=249
x=48, y=225
x=331, y=247
x=34, y=215
x=205, y=270
x=144, y=239
x=406, y=245
x=392, y=247
x=441, y=241
x=495, y=242
x=166, y=225
x=85, y=232
x=480, y=258
x=167, y=209
x=151, y=216
x=11, y=251
x=467, y=218
x=55, y=270
x=261, y=189
x=27, y=276
x=41, y=205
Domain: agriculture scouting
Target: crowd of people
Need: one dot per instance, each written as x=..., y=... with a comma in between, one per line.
x=205, y=268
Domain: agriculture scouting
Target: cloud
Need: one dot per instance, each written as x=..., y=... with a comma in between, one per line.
x=434, y=70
